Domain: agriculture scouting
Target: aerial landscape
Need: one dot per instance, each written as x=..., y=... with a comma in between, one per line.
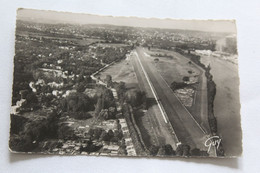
x=93, y=85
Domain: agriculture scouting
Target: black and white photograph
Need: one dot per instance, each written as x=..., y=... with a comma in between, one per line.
x=124, y=86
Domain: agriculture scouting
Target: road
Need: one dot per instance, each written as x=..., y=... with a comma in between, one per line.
x=185, y=126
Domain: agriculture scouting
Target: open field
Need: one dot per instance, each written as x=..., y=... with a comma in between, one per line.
x=226, y=103
x=121, y=71
x=172, y=69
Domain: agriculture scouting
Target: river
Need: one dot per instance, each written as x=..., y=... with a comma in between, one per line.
x=226, y=103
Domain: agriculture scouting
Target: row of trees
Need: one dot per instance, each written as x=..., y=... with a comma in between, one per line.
x=181, y=150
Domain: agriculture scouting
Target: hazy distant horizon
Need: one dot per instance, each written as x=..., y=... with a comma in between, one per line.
x=44, y=16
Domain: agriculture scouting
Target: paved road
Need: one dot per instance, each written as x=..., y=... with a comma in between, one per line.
x=187, y=129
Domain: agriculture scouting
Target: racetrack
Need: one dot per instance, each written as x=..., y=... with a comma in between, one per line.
x=152, y=122
x=185, y=126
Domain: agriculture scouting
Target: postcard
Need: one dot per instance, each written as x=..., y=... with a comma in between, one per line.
x=124, y=86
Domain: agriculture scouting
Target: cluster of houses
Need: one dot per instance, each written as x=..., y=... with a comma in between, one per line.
x=69, y=147
x=111, y=150
x=130, y=149
x=107, y=148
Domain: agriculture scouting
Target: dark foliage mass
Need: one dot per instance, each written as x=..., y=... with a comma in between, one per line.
x=178, y=85
x=136, y=98
x=77, y=102
x=33, y=132
x=17, y=123
x=105, y=100
x=166, y=150
x=121, y=89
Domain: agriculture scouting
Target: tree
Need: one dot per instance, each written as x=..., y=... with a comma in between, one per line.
x=108, y=99
x=104, y=114
x=81, y=87
x=118, y=134
x=79, y=102
x=186, y=150
x=185, y=78
x=80, y=78
x=99, y=106
x=31, y=98
x=112, y=112
x=153, y=150
x=183, y=150
x=110, y=133
x=105, y=98
x=156, y=60
x=121, y=89
x=47, y=100
x=177, y=85
x=66, y=132
x=179, y=150
x=72, y=105
x=161, y=151
x=168, y=150
x=63, y=105
x=97, y=133
x=80, y=115
x=104, y=136
x=108, y=80
x=195, y=152
x=114, y=139
x=136, y=97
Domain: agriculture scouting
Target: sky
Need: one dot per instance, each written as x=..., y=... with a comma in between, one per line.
x=43, y=16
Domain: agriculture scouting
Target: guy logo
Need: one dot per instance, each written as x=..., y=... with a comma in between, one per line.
x=212, y=141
